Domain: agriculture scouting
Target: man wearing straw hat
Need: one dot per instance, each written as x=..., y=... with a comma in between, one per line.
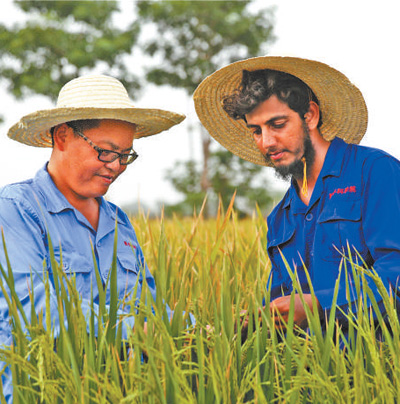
x=91, y=131
x=305, y=119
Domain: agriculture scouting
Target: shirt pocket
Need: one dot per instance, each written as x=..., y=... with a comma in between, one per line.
x=78, y=268
x=128, y=263
x=129, y=278
x=282, y=244
x=340, y=227
x=72, y=261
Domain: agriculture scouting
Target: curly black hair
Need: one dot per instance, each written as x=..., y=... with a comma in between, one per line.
x=259, y=85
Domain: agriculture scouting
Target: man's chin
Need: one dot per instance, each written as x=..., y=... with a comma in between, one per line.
x=282, y=173
x=287, y=171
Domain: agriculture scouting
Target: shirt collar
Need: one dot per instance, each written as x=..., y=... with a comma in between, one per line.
x=56, y=202
x=332, y=167
x=334, y=158
x=292, y=199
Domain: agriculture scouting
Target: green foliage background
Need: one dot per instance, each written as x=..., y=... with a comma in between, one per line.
x=174, y=43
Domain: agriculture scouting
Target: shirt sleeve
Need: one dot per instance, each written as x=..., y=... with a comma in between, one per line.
x=380, y=232
x=25, y=246
x=381, y=221
x=276, y=283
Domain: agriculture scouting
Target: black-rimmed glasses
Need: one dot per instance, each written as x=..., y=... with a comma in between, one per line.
x=108, y=156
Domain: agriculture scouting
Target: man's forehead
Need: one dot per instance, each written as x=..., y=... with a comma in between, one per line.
x=116, y=122
x=115, y=134
x=269, y=109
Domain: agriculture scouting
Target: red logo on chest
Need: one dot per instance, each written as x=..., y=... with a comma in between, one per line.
x=127, y=243
x=351, y=189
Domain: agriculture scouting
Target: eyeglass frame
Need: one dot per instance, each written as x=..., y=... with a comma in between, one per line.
x=100, y=150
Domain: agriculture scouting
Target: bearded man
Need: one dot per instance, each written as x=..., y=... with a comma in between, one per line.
x=305, y=119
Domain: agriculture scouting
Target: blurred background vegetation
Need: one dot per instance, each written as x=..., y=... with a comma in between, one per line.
x=179, y=42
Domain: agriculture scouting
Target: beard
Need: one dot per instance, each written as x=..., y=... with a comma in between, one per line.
x=296, y=169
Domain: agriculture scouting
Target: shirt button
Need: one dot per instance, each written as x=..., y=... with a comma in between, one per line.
x=309, y=217
x=98, y=243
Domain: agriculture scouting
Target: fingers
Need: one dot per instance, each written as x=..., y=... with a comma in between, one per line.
x=280, y=318
x=280, y=307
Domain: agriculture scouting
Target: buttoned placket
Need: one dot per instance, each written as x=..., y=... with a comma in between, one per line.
x=104, y=247
x=308, y=216
x=106, y=226
x=312, y=216
x=96, y=242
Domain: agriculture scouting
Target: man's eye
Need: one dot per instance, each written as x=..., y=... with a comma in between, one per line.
x=256, y=131
x=278, y=125
x=106, y=152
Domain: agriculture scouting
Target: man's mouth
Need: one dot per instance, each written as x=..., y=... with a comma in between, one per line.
x=107, y=178
x=276, y=155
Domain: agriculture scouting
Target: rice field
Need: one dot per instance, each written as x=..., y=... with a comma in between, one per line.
x=214, y=269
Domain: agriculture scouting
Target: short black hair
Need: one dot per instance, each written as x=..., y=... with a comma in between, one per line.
x=79, y=125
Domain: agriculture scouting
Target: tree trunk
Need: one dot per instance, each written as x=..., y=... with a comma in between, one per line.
x=205, y=181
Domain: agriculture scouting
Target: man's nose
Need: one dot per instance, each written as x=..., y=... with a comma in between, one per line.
x=267, y=139
x=114, y=165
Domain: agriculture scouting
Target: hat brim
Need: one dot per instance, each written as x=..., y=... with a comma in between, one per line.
x=342, y=105
x=34, y=129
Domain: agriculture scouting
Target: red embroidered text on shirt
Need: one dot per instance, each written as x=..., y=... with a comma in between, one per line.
x=343, y=190
x=129, y=244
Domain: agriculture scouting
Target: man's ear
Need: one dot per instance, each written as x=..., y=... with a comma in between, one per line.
x=312, y=116
x=60, y=135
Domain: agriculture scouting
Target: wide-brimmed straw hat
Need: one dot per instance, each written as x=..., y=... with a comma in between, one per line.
x=342, y=105
x=91, y=97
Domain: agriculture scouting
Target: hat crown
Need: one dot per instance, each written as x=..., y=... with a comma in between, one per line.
x=94, y=91
x=91, y=97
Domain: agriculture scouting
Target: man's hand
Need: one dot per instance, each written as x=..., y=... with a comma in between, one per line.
x=281, y=305
x=280, y=308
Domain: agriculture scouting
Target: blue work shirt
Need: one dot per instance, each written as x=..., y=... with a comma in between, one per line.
x=32, y=210
x=355, y=202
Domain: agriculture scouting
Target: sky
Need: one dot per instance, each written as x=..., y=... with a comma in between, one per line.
x=358, y=37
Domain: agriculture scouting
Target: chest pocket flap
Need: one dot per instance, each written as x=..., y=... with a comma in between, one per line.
x=282, y=238
x=72, y=261
x=350, y=211
x=128, y=262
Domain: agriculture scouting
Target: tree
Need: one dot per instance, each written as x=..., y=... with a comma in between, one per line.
x=61, y=40
x=194, y=39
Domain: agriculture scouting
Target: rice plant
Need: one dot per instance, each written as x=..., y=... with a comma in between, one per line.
x=214, y=269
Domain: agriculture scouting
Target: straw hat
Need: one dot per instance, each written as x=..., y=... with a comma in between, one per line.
x=342, y=105
x=91, y=97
